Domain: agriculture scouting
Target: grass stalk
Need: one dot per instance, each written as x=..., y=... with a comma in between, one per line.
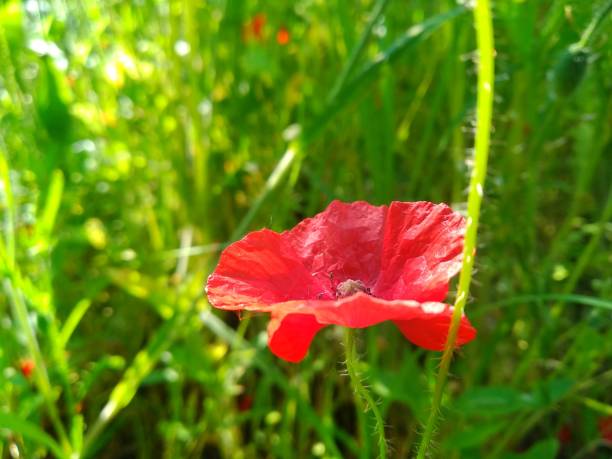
x=12, y=283
x=41, y=377
x=349, y=65
x=484, y=36
x=594, y=24
x=144, y=362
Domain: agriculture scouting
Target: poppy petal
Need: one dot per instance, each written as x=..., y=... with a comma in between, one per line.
x=431, y=333
x=422, y=246
x=295, y=323
x=290, y=335
x=257, y=271
x=344, y=240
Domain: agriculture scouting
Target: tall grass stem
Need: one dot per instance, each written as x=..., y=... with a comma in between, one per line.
x=484, y=109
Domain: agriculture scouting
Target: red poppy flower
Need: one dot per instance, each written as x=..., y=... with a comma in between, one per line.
x=283, y=36
x=245, y=402
x=255, y=27
x=354, y=265
x=605, y=428
x=27, y=367
x=564, y=435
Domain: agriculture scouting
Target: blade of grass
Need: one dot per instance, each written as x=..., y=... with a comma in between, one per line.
x=143, y=364
x=32, y=431
x=411, y=38
x=484, y=37
x=41, y=377
x=194, y=250
x=357, y=50
x=524, y=422
x=45, y=225
x=556, y=309
x=558, y=297
x=597, y=406
x=275, y=178
x=7, y=247
x=14, y=287
x=594, y=24
x=52, y=204
x=73, y=320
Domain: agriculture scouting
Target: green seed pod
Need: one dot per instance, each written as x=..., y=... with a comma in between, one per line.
x=569, y=70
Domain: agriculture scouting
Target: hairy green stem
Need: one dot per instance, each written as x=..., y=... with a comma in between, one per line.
x=484, y=37
x=363, y=397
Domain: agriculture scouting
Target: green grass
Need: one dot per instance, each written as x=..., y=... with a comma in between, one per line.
x=128, y=160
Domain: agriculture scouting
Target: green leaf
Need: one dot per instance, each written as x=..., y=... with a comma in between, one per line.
x=570, y=69
x=11, y=20
x=576, y=299
x=31, y=431
x=406, y=386
x=474, y=436
x=52, y=101
x=73, y=320
x=545, y=449
x=411, y=38
x=551, y=391
x=494, y=401
x=141, y=367
x=52, y=203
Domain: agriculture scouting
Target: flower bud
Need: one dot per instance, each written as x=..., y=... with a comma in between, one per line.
x=569, y=70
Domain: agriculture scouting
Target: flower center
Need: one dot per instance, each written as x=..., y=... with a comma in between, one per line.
x=350, y=287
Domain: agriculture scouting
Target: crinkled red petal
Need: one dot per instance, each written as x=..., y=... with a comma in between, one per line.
x=294, y=324
x=258, y=271
x=422, y=247
x=408, y=250
x=343, y=241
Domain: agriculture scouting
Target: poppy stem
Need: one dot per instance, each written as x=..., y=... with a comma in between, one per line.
x=484, y=38
x=363, y=399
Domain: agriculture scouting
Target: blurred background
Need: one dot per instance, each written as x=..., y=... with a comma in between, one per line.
x=138, y=138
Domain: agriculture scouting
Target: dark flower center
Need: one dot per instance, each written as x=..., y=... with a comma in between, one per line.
x=350, y=287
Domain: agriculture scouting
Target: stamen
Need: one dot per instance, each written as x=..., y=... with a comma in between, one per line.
x=350, y=287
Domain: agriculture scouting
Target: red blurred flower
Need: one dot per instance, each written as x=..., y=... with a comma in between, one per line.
x=255, y=27
x=282, y=36
x=354, y=265
x=245, y=402
x=27, y=367
x=257, y=24
x=605, y=427
x=564, y=435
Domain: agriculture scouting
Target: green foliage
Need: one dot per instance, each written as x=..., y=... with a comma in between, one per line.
x=569, y=70
x=545, y=449
x=136, y=141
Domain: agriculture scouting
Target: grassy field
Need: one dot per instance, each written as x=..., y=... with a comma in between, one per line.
x=138, y=139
